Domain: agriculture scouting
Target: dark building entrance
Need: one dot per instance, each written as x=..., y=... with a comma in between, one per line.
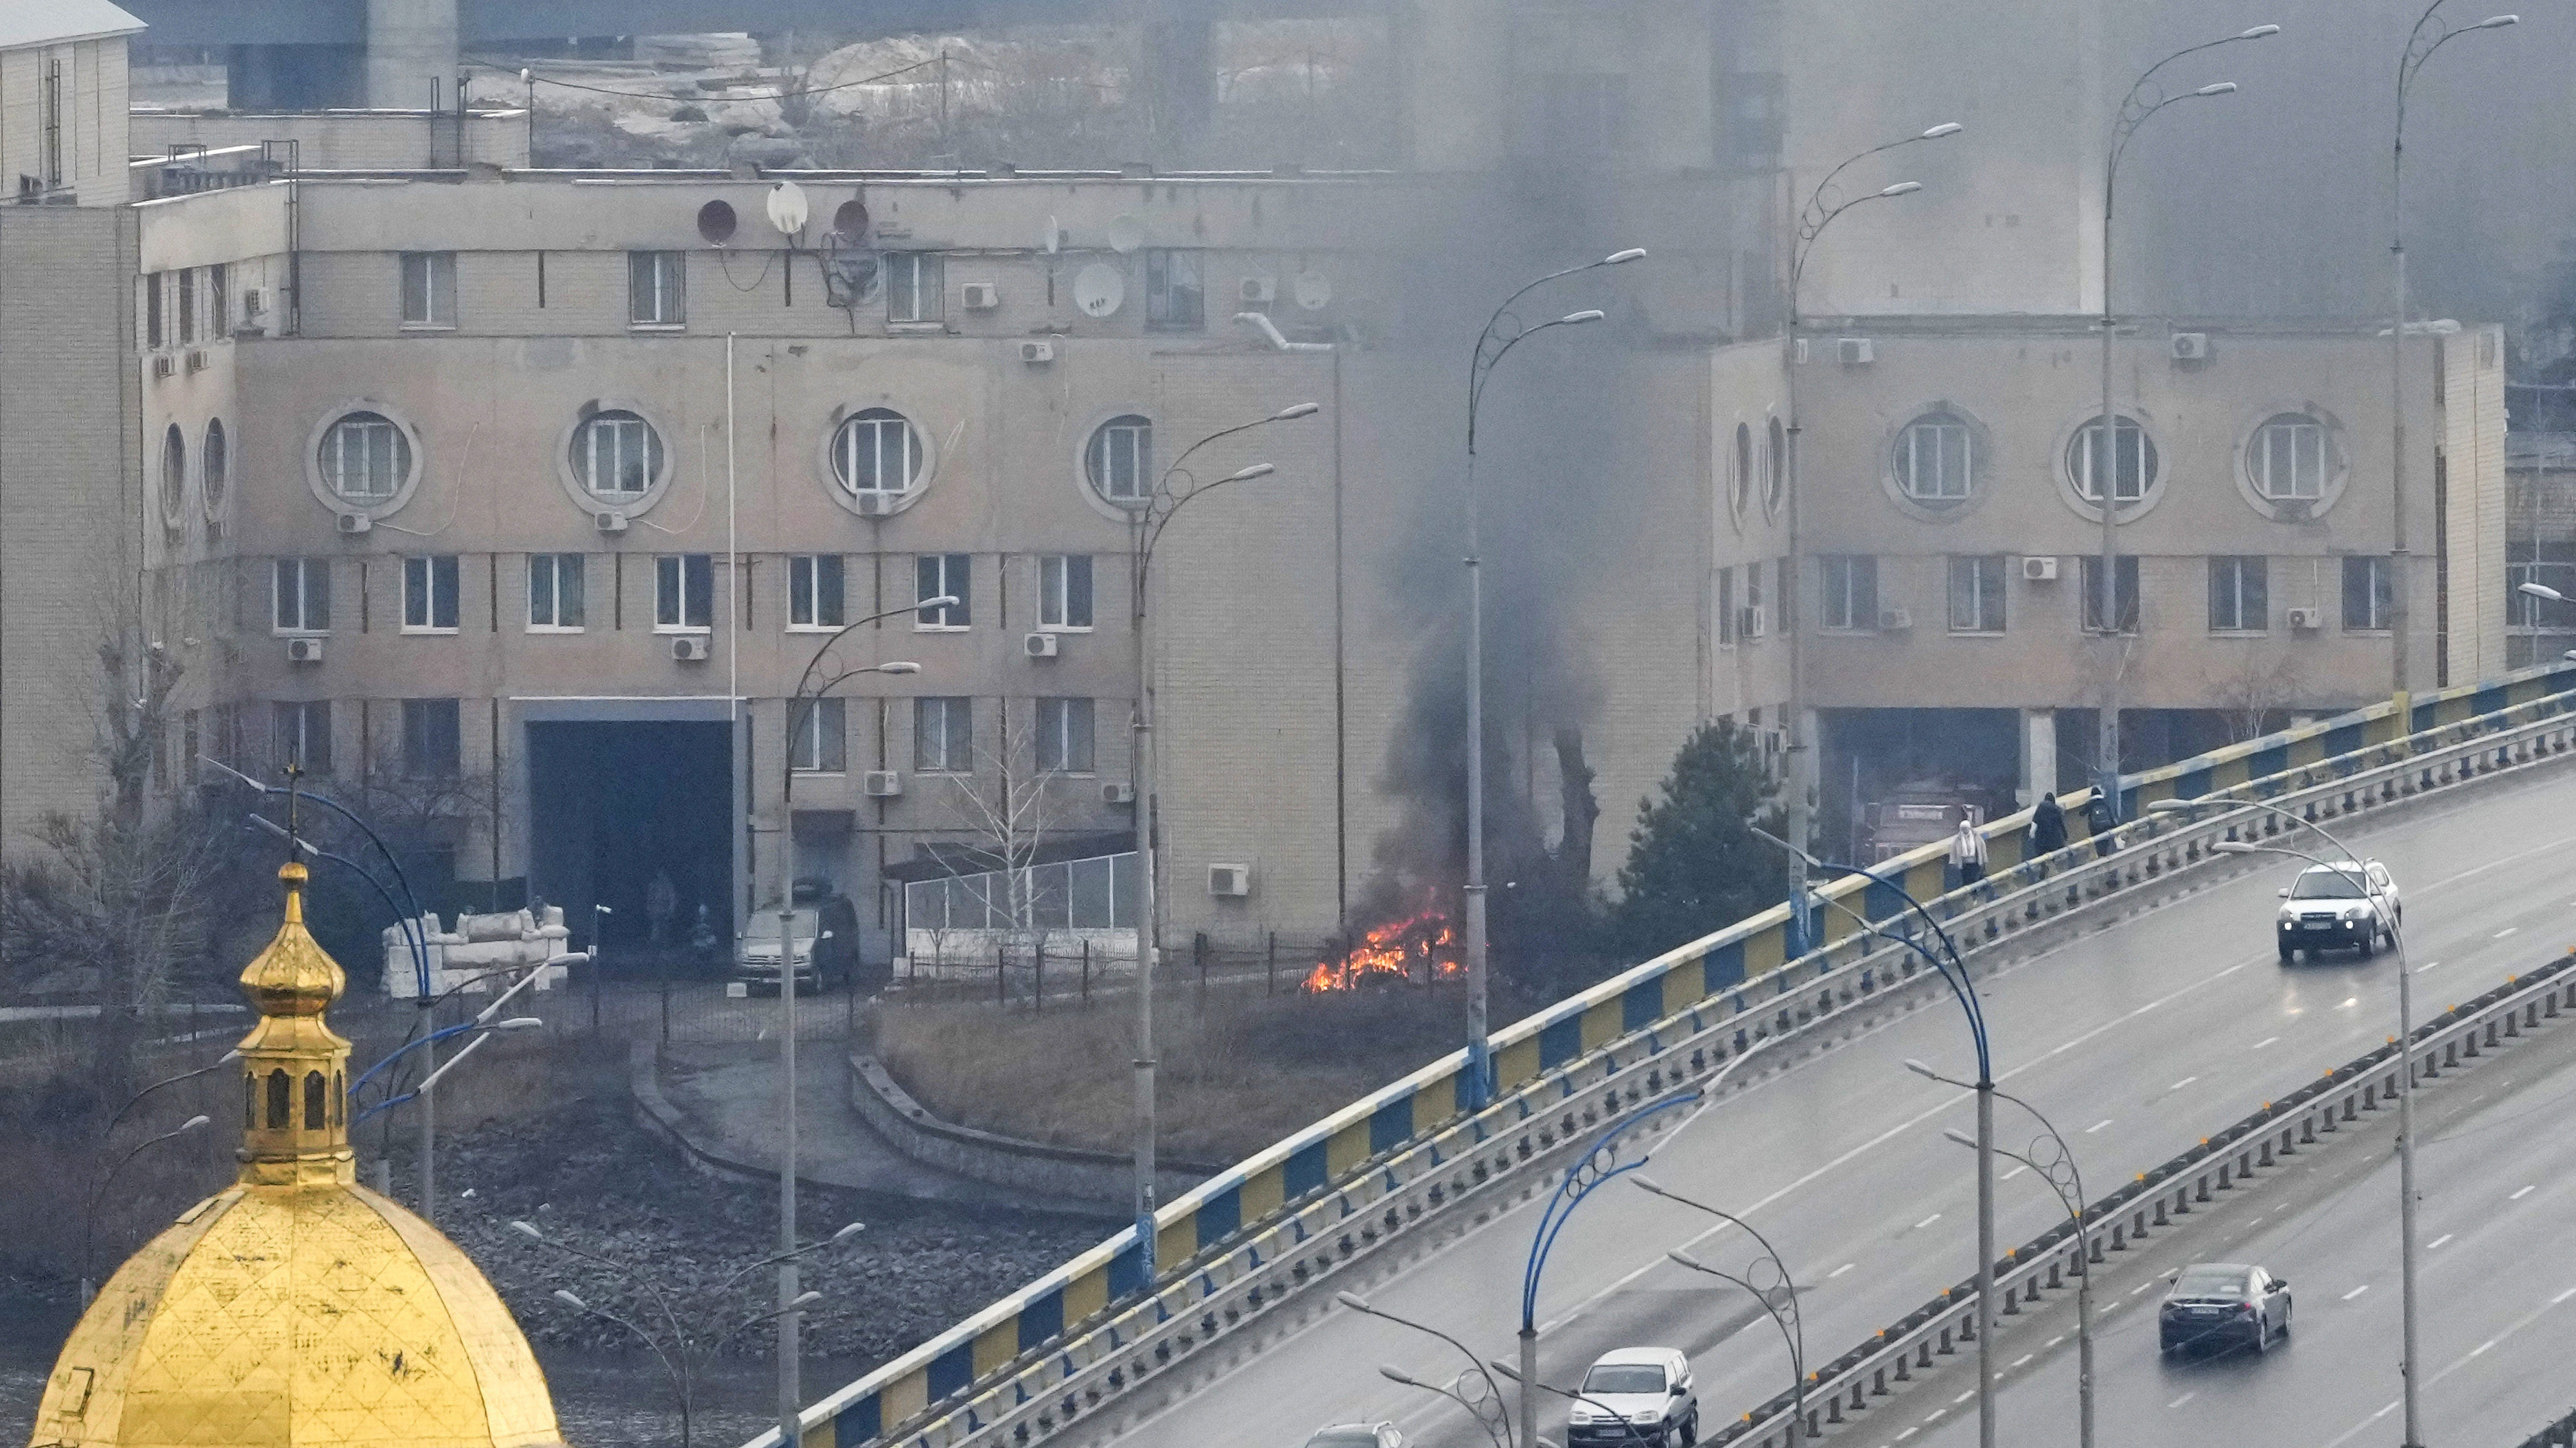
x=614, y=805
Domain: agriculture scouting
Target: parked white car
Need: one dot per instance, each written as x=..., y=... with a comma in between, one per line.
x=2346, y=905
x=1636, y=1397
x=1357, y=1435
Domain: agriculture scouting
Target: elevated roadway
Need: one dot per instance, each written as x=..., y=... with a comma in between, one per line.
x=2133, y=1039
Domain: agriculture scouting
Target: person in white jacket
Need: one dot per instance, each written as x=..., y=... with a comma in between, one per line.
x=1968, y=852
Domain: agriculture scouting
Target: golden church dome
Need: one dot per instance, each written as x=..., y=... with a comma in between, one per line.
x=296, y=1307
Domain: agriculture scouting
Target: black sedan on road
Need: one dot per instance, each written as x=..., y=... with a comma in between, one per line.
x=2223, y=1305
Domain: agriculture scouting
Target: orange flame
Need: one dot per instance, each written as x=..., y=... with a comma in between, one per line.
x=1392, y=954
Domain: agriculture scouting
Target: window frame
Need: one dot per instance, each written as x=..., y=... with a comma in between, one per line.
x=307, y=571
x=904, y=274
x=1905, y=458
x=420, y=724
x=2234, y=568
x=2381, y=595
x=402, y=458
x=2125, y=597
x=674, y=574
x=553, y=565
x=304, y=713
x=806, y=575
x=429, y=277
x=1137, y=431
x=582, y=455
x=2150, y=455
x=667, y=289
x=1056, y=593
x=2258, y=458
x=1844, y=577
x=842, y=453
x=818, y=740
x=956, y=717
x=1055, y=726
x=429, y=580
x=955, y=577
x=1988, y=593
x=1160, y=289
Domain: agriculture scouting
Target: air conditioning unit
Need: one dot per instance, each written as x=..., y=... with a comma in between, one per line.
x=1258, y=291
x=161, y=366
x=608, y=522
x=304, y=651
x=979, y=296
x=253, y=302
x=1752, y=621
x=196, y=361
x=1037, y=354
x=1040, y=645
x=689, y=649
x=877, y=505
x=1231, y=882
x=881, y=784
x=2191, y=346
x=2039, y=570
x=355, y=522
x=1117, y=791
x=1855, y=351
x=2307, y=618
x=1895, y=620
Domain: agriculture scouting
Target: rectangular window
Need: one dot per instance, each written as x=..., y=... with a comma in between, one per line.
x=1788, y=591
x=429, y=289
x=1851, y=592
x=683, y=593
x=154, y=329
x=943, y=735
x=429, y=594
x=219, y=302
x=1726, y=607
x=916, y=286
x=187, y=306
x=1064, y=736
x=1064, y=591
x=2124, y=582
x=2239, y=602
x=1977, y=594
x=301, y=596
x=657, y=293
x=304, y=735
x=1175, y=301
x=554, y=592
x=432, y=729
x=943, y=575
x=1755, y=625
x=814, y=591
x=2365, y=594
x=820, y=743
x=2289, y=458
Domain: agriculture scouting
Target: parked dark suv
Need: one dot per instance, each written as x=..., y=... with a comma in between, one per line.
x=2221, y=1305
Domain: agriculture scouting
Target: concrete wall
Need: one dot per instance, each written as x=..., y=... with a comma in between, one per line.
x=90, y=86
x=1098, y=1179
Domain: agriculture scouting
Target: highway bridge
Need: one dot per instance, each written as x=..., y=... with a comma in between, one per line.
x=2133, y=994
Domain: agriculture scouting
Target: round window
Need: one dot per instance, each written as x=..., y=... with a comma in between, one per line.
x=365, y=459
x=2287, y=459
x=876, y=452
x=1775, y=463
x=1120, y=460
x=1936, y=460
x=2133, y=461
x=216, y=465
x=1740, y=485
x=616, y=456
x=174, y=474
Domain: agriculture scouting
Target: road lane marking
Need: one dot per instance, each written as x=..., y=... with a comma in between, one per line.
x=2481, y=1347
x=1963, y=1397
x=1908, y=1433
x=2141, y=1287
x=2267, y=1040
x=2518, y=1196
x=2436, y=1244
x=1934, y=1415
x=2017, y=1362
x=2349, y=1003
x=2501, y=934
x=1839, y=1271
x=2052, y=1342
x=2097, y=1126
x=2563, y=1296
x=2185, y=1081
x=2428, y=965
x=1927, y=1221
x=2185, y=1398
x=2356, y=1292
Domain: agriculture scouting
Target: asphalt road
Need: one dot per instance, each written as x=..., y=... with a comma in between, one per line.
x=2136, y=1040
x=2497, y=1184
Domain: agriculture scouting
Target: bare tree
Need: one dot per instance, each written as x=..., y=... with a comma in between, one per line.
x=2253, y=696
x=1010, y=808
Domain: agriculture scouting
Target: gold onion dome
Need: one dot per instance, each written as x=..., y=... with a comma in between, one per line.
x=296, y=1307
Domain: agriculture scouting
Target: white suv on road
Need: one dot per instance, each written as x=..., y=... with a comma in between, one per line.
x=2348, y=905
x=1636, y=1397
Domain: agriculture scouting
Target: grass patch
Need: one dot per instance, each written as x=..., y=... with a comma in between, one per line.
x=1235, y=1075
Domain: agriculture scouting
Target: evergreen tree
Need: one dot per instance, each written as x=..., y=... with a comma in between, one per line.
x=1694, y=864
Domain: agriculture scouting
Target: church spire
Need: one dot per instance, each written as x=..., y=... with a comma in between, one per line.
x=295, y=1125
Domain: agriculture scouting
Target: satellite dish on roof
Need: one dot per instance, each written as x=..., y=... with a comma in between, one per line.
x=1313, y=292
x=850, y=220
x=1052, y=239
x=716, y=223
x=1126, y=233
x=1099, y=289
x=787, y=208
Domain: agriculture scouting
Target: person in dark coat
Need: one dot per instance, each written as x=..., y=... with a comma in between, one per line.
x=2097, y=814
x=2047, y=825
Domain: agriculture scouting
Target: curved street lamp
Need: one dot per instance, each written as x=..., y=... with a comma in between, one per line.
x=1503, y=331
x=1530, y=1382
x=89, y=1210
x=1779, y=1297
x=1492, y=1391
x=2145, y=98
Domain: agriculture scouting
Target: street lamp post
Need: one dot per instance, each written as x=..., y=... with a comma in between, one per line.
x=1530, y=1386
x=1470, y=1393
x=1812, y=221
x=1503, y=331
x=1145, y=524
x=2429, y=35
x=89, y=1211
x=1964, y=990
x=2395, y=929
x=2103, y=458
x=2065, y=1178
x=1779, y=1297
x=801, y=703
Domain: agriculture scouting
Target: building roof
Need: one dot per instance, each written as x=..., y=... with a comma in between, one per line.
x=296, y=1309
x=58, y=22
